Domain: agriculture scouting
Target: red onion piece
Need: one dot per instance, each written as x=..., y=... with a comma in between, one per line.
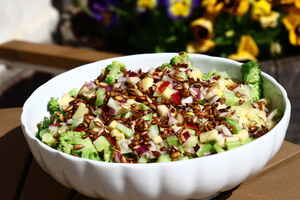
x=141, y=149
x=186, y=135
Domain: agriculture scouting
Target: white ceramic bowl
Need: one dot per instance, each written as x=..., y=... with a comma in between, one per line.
x=191, y=179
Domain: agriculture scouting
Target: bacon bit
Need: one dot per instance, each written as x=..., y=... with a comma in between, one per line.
x=163, y=86
x=176, y=97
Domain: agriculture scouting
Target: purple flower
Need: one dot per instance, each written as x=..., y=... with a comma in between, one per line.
x=101, y=10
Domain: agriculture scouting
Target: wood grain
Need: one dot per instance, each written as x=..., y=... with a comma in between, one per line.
x=280, y=175
x=50, y=55
x=15, y=156
x=39, y=184
x=289, y=77
x=10, y=119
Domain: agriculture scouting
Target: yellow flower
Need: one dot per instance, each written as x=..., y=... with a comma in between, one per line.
x=146, y=4
x=269, y=20
x=237, y=7
x=261, y=8
x=203, y=32
x=212, y=7
x=295, y=2
x=275, y=48
x=201, y=46
x=202, y=28
x=180, y=8
x=292, y=24
x=247, y=50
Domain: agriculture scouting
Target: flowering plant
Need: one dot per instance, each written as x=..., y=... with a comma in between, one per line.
x=238, y=29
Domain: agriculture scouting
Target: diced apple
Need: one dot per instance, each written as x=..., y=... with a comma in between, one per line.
x=117, y=134
x=167, y=93
x=146, y=83
x=113, y=124
x=195, y=74
x=133, y=80
x=163, y=110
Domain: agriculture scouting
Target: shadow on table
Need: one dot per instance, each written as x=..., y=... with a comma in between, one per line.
x=26, y=176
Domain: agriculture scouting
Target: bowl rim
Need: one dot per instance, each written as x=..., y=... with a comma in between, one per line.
x=274, y=82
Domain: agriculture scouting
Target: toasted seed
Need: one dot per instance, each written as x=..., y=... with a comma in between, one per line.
x=119, y=98
x=78, y=146
x=103, y=84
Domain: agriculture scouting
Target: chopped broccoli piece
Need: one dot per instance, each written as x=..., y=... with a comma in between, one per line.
x=44, y=124
x=88, y=151
x=207, y=148
x=182, y=58
x=166, y=65
x=79, y=115
x=108, y=155
x=73, y=92
x=172, y=140
x=164, y=158
x=248, y=140
x=148, y=117
x=70, y=138
x=124, y=129
x=48, y=139
x=234, y=124
x=101, y=143
x=100, y=96
x=115, y=72
x=230, y=98
x=53, y=105
x=251, y=74
x=218, y=148
x=233, y=144
x=255, y=92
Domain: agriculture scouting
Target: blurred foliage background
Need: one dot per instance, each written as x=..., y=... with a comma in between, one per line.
x=238, y=29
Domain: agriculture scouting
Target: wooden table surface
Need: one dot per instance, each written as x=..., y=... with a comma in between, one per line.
x=25, y=180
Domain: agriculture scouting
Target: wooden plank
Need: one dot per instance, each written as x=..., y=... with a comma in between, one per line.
x=289, y=77
x=50, y=55
x=16, y=158
x=269, y=67
x=10, y=119
x=39, y=184
x=276, y=177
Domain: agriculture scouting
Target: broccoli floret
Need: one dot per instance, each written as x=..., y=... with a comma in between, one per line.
x=48, y=138
x=166, y=65
x=255, y=92
x=44, y=125
x=251, y=74
x=69, y=139
x=115, y=72
x=53, y=105
x=182, y=58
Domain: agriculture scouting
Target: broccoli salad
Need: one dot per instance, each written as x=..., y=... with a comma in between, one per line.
x=172, y=112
